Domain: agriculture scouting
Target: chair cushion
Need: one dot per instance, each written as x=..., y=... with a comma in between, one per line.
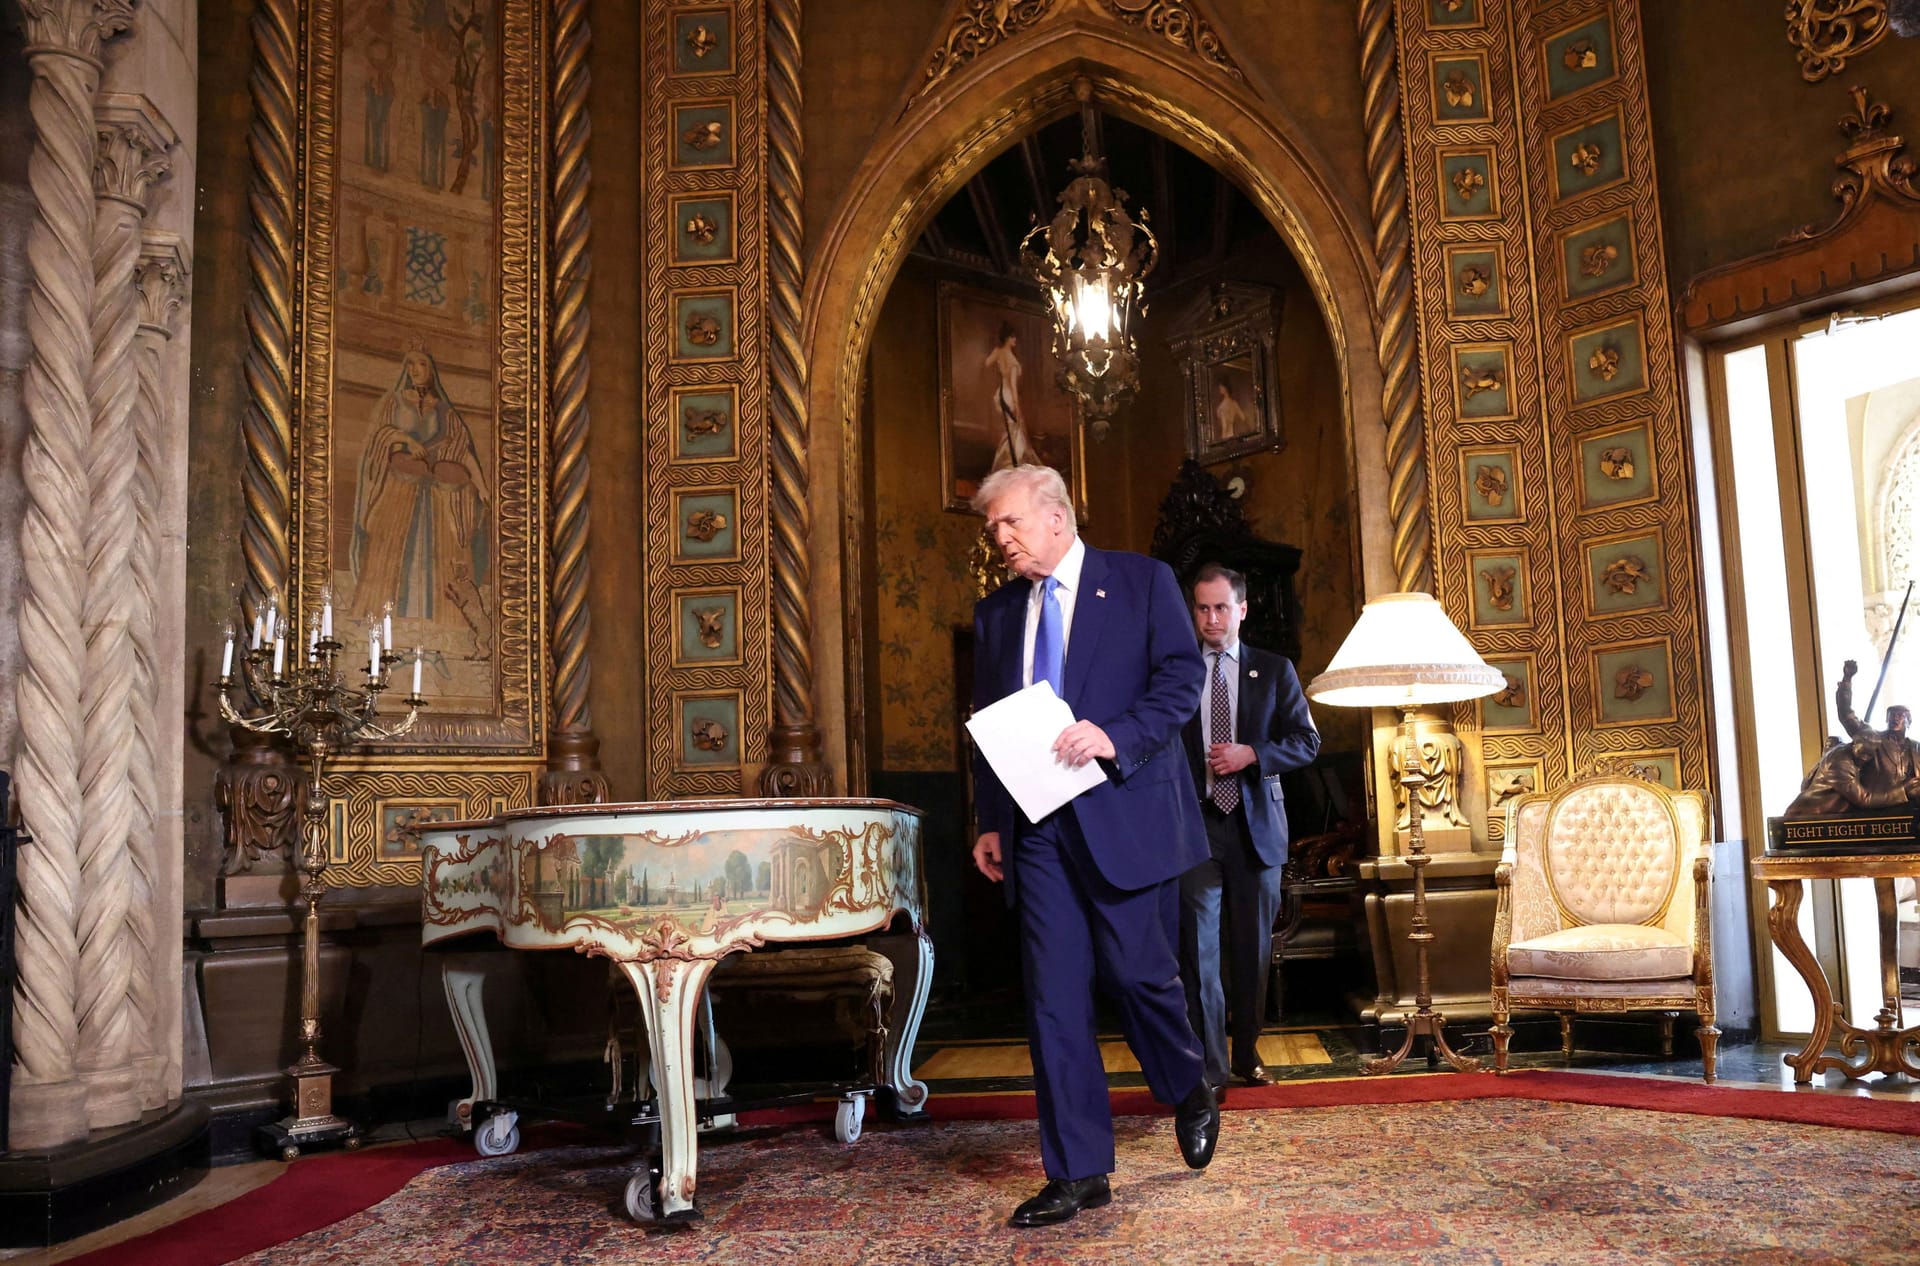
x=1603, y=951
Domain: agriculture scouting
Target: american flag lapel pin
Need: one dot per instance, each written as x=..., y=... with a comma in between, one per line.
x=1099, y=593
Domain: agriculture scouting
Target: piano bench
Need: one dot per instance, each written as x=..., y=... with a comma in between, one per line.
x=857, y=980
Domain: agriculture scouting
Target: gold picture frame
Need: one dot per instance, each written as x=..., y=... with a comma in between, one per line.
x=422, y=234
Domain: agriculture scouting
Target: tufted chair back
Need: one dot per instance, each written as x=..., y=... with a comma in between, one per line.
x=1602, y=905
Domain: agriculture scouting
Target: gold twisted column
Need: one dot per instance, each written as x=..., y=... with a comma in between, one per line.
x=1393, y=296
x=793, y=766
x=573, y=753
x=63, y=50
x=266, y=426
x=132, y=142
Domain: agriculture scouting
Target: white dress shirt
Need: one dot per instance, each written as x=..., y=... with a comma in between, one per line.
x=1229, y=661
x=1068, y=574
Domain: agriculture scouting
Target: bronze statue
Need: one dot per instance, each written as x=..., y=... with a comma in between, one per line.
x=1872, y=770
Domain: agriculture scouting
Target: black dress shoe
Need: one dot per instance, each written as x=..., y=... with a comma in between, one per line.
x=1257, y=1075
x=1060, y=1199
x=1220, y=1093
x=1196, y=1124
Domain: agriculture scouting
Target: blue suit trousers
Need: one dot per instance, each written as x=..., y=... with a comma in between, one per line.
x=1076, y=930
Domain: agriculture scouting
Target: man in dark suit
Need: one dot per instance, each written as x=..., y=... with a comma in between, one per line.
x=1094, y=884
x=1251, y=727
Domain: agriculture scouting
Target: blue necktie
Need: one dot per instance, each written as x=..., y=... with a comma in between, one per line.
x=1048, y=654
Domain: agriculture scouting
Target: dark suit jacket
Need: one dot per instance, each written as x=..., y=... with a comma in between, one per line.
x=1273, y=720
x=1132, y=669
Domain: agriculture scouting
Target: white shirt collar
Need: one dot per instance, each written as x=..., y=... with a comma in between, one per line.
x=1067, y=570
x=1231, y=650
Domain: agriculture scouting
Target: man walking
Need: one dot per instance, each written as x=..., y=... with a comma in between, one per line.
x=1251, y=727
x=1095, y=884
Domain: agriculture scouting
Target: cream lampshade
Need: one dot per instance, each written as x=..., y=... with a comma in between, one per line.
x=1404, y=652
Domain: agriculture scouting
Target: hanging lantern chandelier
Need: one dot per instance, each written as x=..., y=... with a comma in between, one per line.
x=1091, y=257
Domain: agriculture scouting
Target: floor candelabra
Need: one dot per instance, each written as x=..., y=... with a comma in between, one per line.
x=310, y=702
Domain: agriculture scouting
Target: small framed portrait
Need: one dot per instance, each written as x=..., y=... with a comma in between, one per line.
x=1001, y=403
x=1224, y=340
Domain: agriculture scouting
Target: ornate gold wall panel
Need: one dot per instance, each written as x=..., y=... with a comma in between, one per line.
x=1558, y=459
x=418, y=295
x=1481, y=377
x=705, y=337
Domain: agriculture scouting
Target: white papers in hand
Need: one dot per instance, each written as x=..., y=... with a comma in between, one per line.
x=1016, y=736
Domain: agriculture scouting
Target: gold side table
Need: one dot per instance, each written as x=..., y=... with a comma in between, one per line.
x=1884, y=1048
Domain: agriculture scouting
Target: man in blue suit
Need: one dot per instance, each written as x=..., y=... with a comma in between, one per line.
x=1251, y=727
x=1094, y=884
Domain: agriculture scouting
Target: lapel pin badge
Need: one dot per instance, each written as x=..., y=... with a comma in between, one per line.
x=1253, y=672
x=1099, y=593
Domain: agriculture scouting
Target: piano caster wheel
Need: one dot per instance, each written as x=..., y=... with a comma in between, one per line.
x=847, y=1118
x=643, y=1194
x=498, y=1135
x=353, y=1142
x=290, y=1153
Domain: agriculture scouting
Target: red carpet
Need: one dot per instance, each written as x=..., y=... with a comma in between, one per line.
x=318, y=1191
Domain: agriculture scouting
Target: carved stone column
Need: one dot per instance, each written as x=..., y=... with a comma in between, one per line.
x=152, y=989
x=793, y=753
x=132, y=149
x=63, y=49
x=573, y=753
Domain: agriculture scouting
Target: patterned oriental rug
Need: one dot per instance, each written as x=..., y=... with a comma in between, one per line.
x=1535, y=1167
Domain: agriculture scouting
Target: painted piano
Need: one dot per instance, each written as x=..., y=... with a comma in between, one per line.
x=664, y=891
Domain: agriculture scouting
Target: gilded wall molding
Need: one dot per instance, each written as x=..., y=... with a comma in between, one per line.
x=1874, y=236
x=1563, y=517
x=976, y=27
x=400, y=363
x=1393, y=295
x=1183, y=26
x=707, y=324
x=1825, y=33
x=573, y=767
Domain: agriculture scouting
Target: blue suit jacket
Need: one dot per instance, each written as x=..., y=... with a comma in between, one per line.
x=1273, y=720
x=1132, y=669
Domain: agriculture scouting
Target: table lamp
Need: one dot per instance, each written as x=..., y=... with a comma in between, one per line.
x=1404, y=653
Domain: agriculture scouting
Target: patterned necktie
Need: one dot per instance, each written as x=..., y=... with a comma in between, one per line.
x=1226, y=787
x=1048, y=654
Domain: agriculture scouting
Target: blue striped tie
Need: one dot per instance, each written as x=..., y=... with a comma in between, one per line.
x=1048, y=655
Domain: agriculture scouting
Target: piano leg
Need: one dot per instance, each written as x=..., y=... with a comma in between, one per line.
x=910, y=1096
x=669, y=991
x=465, y=976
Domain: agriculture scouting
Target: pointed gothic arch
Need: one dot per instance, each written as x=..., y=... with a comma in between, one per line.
x=941, y=140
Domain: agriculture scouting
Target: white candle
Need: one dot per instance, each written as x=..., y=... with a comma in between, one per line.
x=226, y=657
x=326, y=619
x=257, y=629
x=416, y=672
x=373, y=654
x=386, y=626
x=279, y=655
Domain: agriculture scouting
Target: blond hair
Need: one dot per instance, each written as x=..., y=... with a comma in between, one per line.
x=1043, y=483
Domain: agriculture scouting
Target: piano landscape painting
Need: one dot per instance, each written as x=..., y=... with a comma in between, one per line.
x=708, y=882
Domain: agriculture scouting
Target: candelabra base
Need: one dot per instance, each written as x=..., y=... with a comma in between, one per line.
x=313, y=1123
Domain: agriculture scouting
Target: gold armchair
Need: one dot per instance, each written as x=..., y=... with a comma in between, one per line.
x=1603, y=908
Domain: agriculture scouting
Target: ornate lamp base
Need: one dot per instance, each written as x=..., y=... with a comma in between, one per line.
x=313, y=1123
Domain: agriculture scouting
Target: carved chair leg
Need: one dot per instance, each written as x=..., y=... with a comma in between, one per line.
x=1566, y=1036
x=1666, y=1033
x=1709, y=1047
x=1502, y=1032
